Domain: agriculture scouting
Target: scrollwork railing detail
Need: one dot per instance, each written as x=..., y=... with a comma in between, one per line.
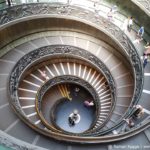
x=67, y=79
x=110, y=29
x=48, y=52
x=21, y=11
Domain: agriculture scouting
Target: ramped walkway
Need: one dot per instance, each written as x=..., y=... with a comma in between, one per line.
x=118, y=20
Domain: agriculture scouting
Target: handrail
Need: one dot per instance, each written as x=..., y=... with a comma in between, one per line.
x=65, y=79
x=144, y=5
x=100, y=139
x=111, y=30
x=49, y=52
x=11, y=141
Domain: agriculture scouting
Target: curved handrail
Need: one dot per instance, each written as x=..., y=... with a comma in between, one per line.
x=129, y=50
x=144, y=5
x=48, y=52
x=65, y=79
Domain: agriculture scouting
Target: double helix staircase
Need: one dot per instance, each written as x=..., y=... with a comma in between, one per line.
x=31, y=82
x=30, y=85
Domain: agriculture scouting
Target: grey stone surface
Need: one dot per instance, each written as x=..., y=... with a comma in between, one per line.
x=16, y=144
x=6, y=112
x=52, y=51
x=25, y=135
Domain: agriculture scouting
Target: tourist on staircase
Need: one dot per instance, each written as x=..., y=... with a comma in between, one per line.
x=76, y=91
x=139, y=112
x=130, y=24
x=139, y=37
x=141, y=32
x=88, y=103
x=74, y=118
x=145, y=60
x=44, y=75
x=110, y=15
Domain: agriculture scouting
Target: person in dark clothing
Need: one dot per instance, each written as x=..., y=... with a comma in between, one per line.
x=139, y=111
x=76, y=91
x=9, y=2
x=145, y=60
x=141, y=31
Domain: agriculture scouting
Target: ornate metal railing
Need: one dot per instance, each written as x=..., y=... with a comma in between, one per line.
x=66, y=79
x=84, y=16
x=49, y=52
x=22, y=11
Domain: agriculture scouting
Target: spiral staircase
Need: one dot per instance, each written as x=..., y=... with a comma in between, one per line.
x=75, y=45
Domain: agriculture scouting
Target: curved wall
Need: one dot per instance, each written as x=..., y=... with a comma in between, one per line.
x=32, y=25
x=107, y=32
